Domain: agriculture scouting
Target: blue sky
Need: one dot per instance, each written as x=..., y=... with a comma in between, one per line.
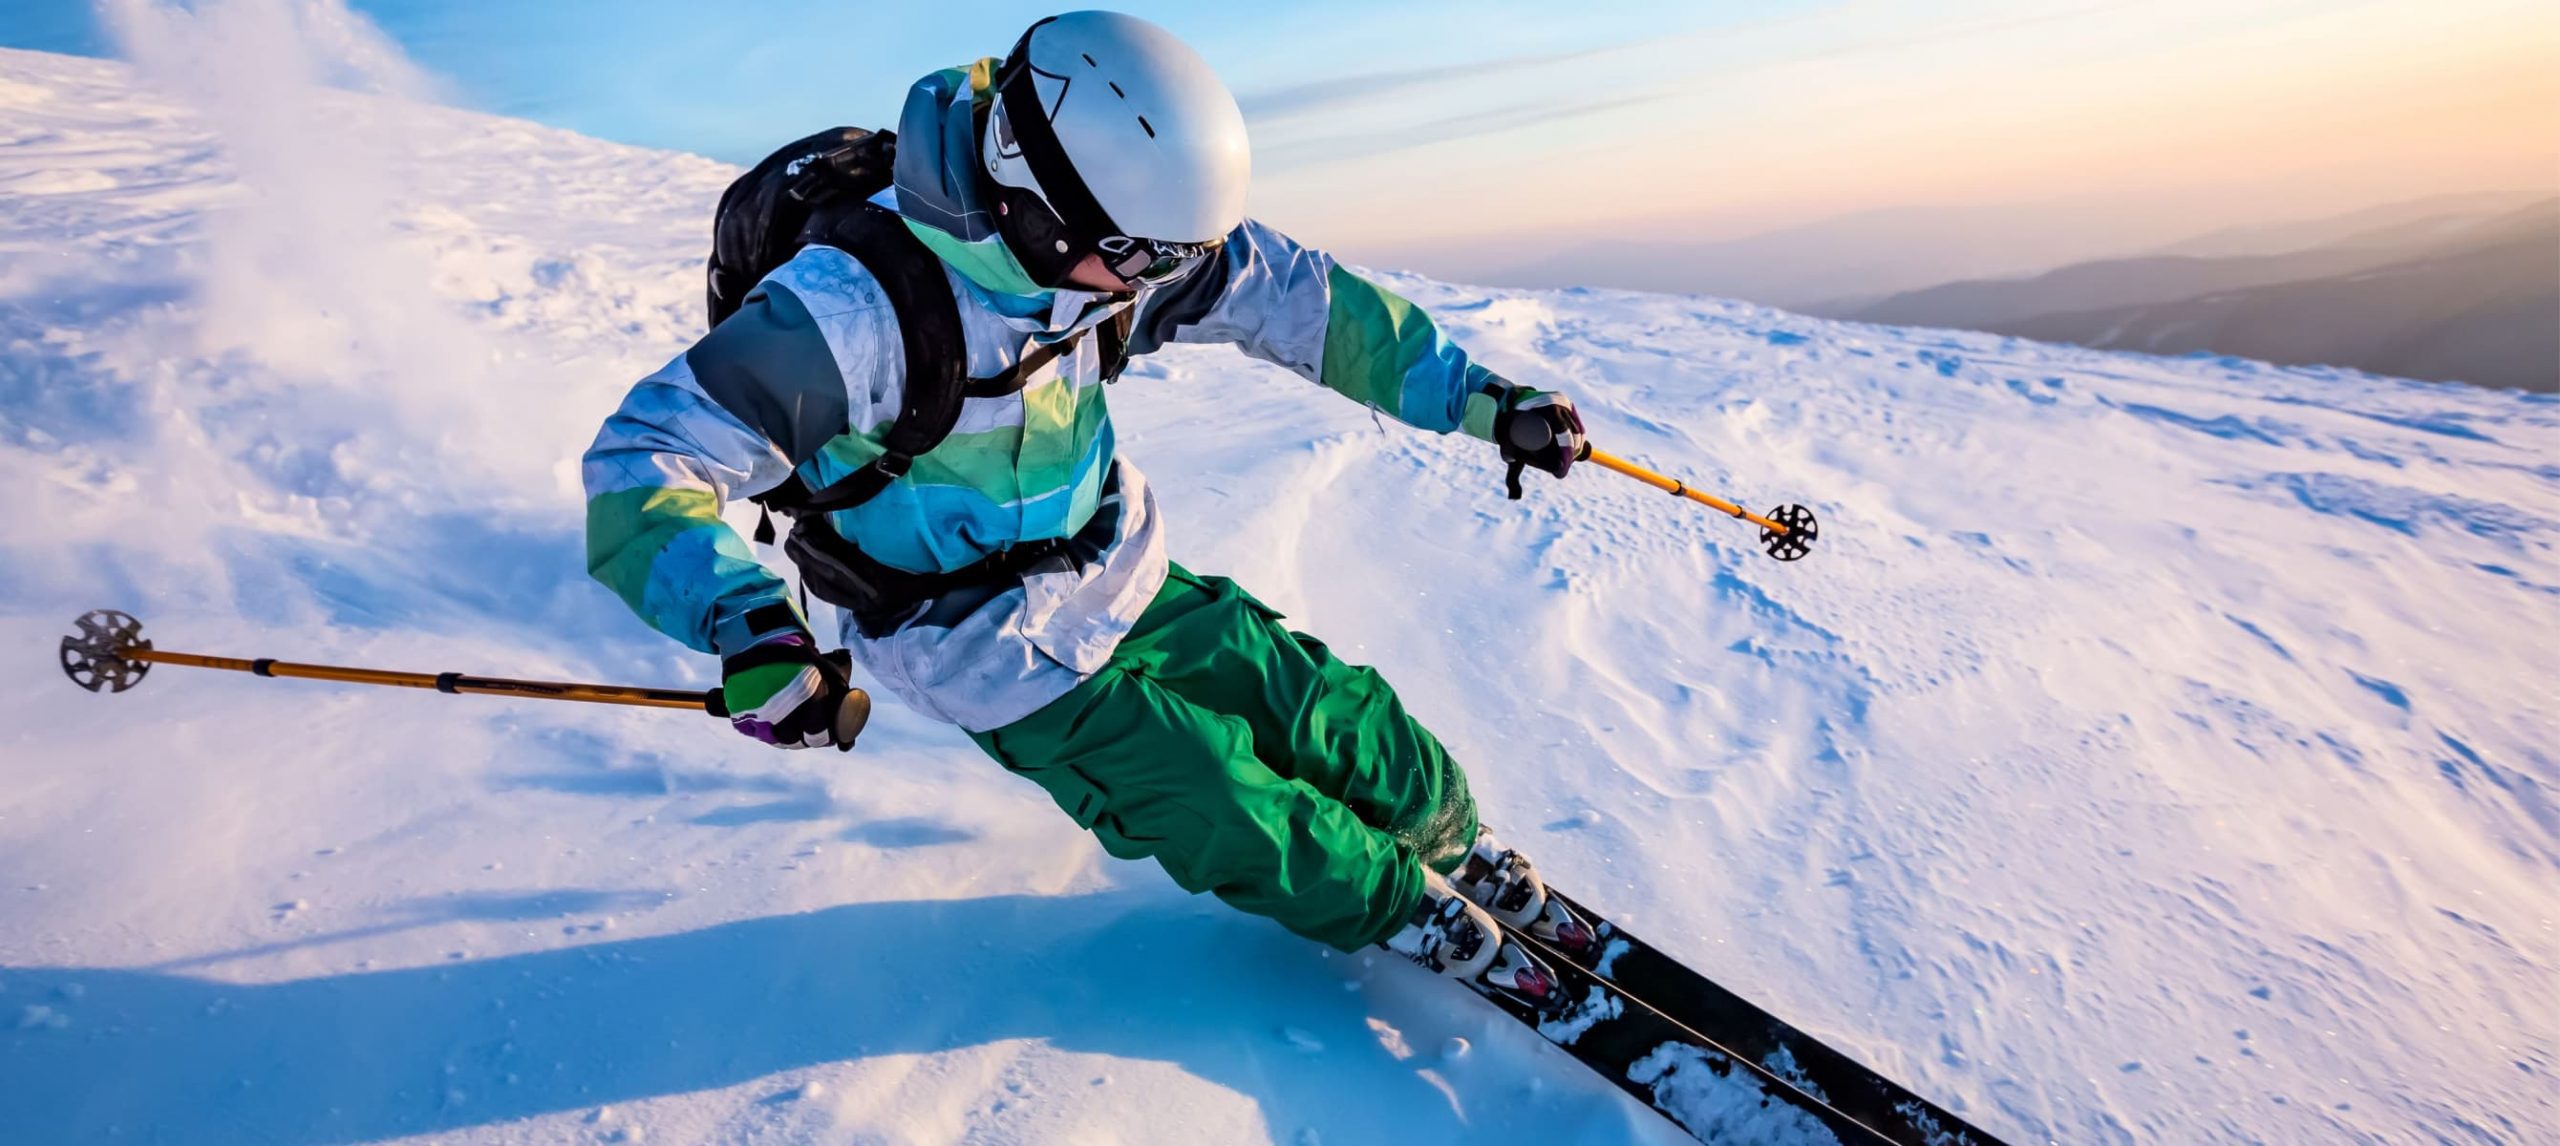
x=1461, y=138
x=657, y=72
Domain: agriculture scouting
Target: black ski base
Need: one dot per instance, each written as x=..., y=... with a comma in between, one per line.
x=1880, y=1109
x=1714, y=1095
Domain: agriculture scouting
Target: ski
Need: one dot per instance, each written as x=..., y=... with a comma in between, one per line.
x=1707, y=1091
x=1732, y=1025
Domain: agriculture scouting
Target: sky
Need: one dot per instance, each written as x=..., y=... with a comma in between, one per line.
x=1470, y=138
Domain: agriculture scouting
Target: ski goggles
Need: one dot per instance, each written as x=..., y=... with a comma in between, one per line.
x=1049, y=250
x=1150, y=261
x=1056, y=226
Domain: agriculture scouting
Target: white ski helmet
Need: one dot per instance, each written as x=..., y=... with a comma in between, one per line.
x=1111, y=137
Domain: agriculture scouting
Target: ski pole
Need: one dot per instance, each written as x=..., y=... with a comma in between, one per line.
x=108, y=654
x=1787, y=533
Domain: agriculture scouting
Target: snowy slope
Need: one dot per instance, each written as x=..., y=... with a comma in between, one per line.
x=2155, y=751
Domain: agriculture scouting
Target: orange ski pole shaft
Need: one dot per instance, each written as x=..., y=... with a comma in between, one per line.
x=1786, y=532
x=445, y=682
x=108, y=654
x=1678, y=488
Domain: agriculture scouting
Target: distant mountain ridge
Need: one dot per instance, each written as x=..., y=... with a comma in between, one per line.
x=2388, y=224
x=2450, y=297
x=1830, y=264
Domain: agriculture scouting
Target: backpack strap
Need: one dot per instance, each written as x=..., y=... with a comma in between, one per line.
x=1109, y=336
x=1112, y=338
x=937, y=381
x=1015, y=377
x=929, y=332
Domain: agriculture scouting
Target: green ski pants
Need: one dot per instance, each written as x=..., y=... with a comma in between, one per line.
x=1251, y=762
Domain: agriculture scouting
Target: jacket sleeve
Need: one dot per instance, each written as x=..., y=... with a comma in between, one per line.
x=730, y=418
x=659, y=470
x=1295, y=306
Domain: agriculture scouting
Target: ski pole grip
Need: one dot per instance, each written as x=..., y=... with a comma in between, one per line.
x=853, y=714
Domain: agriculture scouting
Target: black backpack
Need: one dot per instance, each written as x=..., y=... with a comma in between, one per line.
x=818, y=190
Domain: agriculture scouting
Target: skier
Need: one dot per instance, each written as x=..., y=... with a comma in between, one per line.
x=1083, y=201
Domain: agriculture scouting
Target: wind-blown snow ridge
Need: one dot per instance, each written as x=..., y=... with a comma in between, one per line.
x=2155, y=750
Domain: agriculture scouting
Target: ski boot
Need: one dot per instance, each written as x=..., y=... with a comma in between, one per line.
x=1449, y=934
x=1508, y=887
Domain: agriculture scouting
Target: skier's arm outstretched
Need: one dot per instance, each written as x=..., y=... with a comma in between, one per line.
x=659, y=470
x=656, y=477
x=1296, y=306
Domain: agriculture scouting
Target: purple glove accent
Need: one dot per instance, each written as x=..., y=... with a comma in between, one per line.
x=800, y=692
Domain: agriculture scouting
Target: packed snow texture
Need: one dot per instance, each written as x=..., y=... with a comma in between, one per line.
x=2154, y=750
x=1721, y=1101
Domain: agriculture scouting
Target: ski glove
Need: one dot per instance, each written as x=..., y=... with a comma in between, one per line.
x=1536, y=428
x=784, y=692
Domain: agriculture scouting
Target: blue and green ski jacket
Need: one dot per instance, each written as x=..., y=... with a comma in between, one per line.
x=1034, y=465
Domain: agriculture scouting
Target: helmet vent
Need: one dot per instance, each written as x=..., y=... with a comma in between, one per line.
x=1088, y=59
x=1151, y=128
x=1115, y=90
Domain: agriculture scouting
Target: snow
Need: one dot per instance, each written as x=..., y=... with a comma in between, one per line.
x=1595, y=1007
x=2154, y=750
x=1723, y=1102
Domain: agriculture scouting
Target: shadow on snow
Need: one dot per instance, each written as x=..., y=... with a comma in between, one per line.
x=91, y=1053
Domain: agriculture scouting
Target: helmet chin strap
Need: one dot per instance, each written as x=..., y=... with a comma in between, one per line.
x=1030, y=230
x=1063, y=190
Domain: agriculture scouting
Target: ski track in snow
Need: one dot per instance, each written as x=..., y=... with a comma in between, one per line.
x=2154, y=750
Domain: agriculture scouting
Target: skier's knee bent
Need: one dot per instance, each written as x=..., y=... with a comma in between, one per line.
x=1154, y=776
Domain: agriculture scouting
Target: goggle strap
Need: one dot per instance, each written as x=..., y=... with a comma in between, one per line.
x=1064, y=190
